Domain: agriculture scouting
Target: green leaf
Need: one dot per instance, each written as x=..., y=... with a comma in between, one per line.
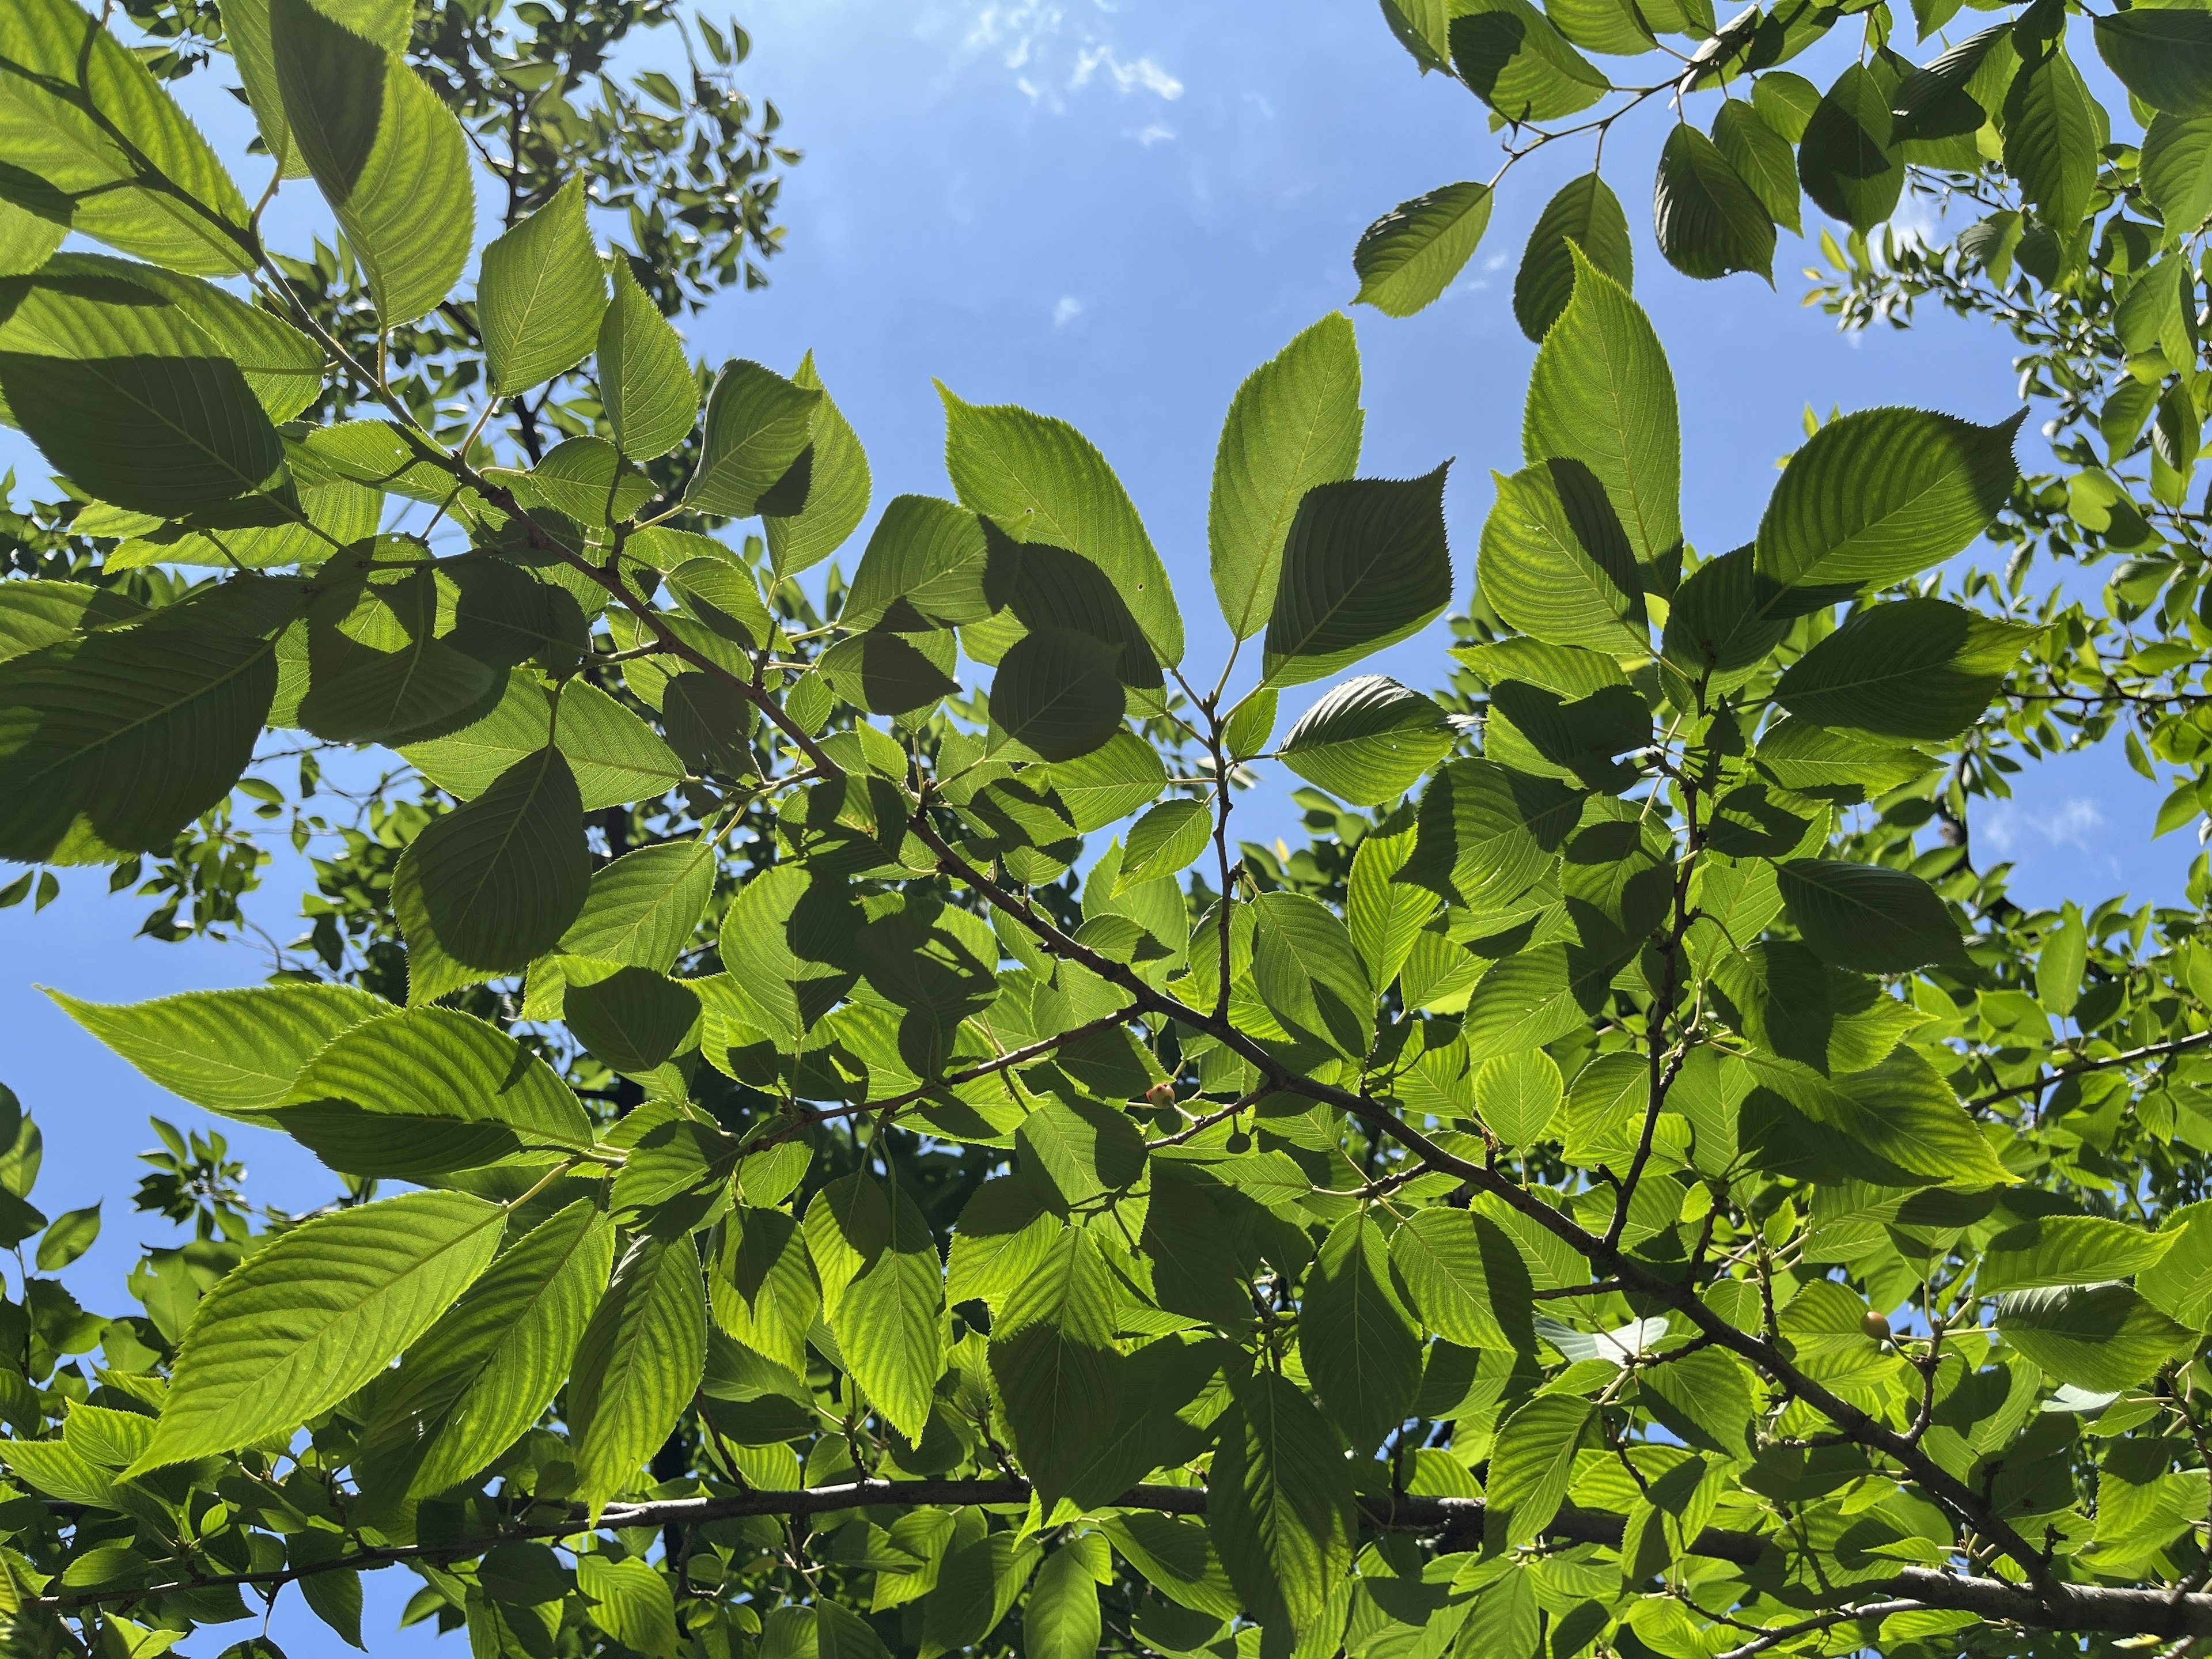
x=426, y=689
x=1534, y=997
x=2162, y=57
x=83, y=118
x=1358, y=1344
x=1556, y=563
x=1603, y=396
x=1039, y=480
x=642, y=909
x=1110, y=782
x=1409, y=257
x=1057, y=1372
x=2059, y=966
x=1511, y=58
x=638, y=1364
x=1058, y=693
x=758, y=425
x=882, y=1290
x=315, y=1314
x=786, y=942
x=1368, y=741
x=1519, y=1094
x=1762, y=158
x=474, y=1384
x=386, y=152
x=1383, y=915
x=616, y=757
x=1901, y=1111
x=138, y=402
x=1830, y=765
x=924, y=567
x=1867, y=916
x=1847, y=160
x=492, y=886
x=233, y=1053
x=2067, y=1249
x=1061, y=1620
x=633, y=1602
x=1531, y=1464
x=68, y=1236
x=1164, y=842
x=542, y=296
x=1709, y=221
x=1309, y=974
x=2100, y=1337
x=764, y=1287
x=645, y=378
x=1295, y=422
x=1922, y=670
x=1367, y=564
x=1279, y=1503
x=838, y=483
x=1484, y=832
x=441, y=1063
x=2176, y=169
x=1587, y=213
x=1466, y=1277
x=2052, y=136
x=113, y=742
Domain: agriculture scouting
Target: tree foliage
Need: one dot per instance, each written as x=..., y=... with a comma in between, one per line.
x=1617, y=1190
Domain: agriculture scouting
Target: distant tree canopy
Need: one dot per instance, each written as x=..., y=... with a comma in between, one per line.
x=885, y=1170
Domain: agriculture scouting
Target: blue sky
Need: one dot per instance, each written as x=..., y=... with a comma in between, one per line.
x=1113, y=214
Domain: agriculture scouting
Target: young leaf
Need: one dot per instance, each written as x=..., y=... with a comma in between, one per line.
x=836, y=494
x=386, y=152
x=1053, y=1360
x=1519, y=1094
x=81, y=115
x=1603, y=396
x=314, y=1315
x=542, y=294
x=882, y=1290
x=1762, y=158
x=2176, y=169
x=1867, y=916
x=1710, y=222
x=1358, y=1344
x=479, y=1377
x=631, y=1602
x=234, y=1053
x=1039, y=480
x=1383, y=915
x=638, y=1364
x=1279, y=1503
x=1409, y=256
x=493, y=886
x=758, y=425
x=1295, y=422
x=1367, y=740
x=1367, y=564
x=1587, y=213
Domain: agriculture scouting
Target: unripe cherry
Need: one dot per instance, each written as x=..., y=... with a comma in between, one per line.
x=1875, y=1325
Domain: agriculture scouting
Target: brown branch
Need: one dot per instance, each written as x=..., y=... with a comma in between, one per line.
x=2149, y=1051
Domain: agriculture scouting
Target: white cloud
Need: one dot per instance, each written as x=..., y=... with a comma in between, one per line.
x=1145, y=74
x=1497, y=262
x=1157, y=132
x=2075, y=824
x=1066, y=311
x=1030, y=38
